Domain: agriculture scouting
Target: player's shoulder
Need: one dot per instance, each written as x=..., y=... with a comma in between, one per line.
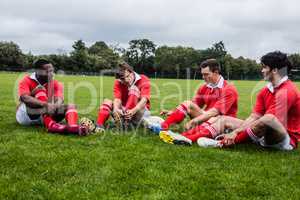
x=56, y=82
x=229, y=86
x=117, y=82
x=144, y=77
x=25, y=79
x=265, y=91
x=144, y=80
x=290, y=84
x=202, y=88
x=290, y=87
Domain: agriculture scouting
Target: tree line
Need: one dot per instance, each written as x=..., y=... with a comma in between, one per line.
x=143, y=54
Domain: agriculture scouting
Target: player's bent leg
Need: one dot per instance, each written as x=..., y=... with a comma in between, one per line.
x=269, y=131
x=23, y=118
x=103, y=114
x=60, y=113
x=193, y=110
x=212, y=130
x=71, y=114
x=140, y=116
x=67, y=112
x=178, y=115
x=223, y=123
x=196, y=132
x=219, y=126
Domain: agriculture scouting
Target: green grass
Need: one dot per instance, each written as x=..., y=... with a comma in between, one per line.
x=38, y=165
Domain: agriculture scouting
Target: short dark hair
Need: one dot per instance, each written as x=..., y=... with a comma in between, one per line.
x=277, y=60
x=212, y=63
x=119, y=73
x=125, y=66
x=39, y=63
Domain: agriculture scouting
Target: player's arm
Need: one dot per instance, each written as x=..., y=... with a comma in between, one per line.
x=32, y=102
x=140, y=105
x=228, y=139
x=202, y=118
x=117, y=105
x=59, y=100
x=248, y=122
x=35, y=103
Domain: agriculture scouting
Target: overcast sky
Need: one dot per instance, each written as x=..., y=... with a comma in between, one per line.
x=248, y=28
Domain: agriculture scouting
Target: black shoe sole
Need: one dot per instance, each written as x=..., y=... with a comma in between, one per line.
x=180, y=142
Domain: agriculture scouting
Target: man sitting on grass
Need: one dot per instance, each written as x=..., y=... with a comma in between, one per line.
x=275, y=120
x=216, y=97
x=131, y=99
x=42, y=102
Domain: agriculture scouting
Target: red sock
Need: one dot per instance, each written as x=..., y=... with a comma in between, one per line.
x=176, y=117
x=48, y=121
x=133, y=97
x=103, y=114
x=197, y=132
x=72, y=116
x=243, y=136
x=41, y=95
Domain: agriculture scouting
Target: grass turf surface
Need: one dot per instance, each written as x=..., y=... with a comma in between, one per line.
x=135, y=165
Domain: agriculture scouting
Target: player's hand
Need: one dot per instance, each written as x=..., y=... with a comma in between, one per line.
x=165, y=112
x=190, y=124
x=130, y=113
x=119, y=111
x=228, y=139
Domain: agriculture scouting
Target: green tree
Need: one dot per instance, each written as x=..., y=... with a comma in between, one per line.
x=240, y=68
x=140, y=54
x=295, y=60
x=217, y=51
x=10, y=55
x=169, y=60
x=79, y=56
x=105, y=55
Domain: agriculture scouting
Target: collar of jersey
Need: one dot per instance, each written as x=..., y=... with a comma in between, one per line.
x=220, y=84
x=137, y=77
x=282, y=80
x=33, y=77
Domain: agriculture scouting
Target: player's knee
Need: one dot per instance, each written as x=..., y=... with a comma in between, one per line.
x=108, y=102
x=70, y=106
x=188, y=104
x=224, y=120
x=259, y=127
x=268, y=118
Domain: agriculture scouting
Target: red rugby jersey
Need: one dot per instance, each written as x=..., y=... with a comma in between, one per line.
x=284, y=103
x=224, y=98
x=143, y=84
x=29, y=83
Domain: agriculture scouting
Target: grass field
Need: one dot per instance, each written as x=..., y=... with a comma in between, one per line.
x=38, y=165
